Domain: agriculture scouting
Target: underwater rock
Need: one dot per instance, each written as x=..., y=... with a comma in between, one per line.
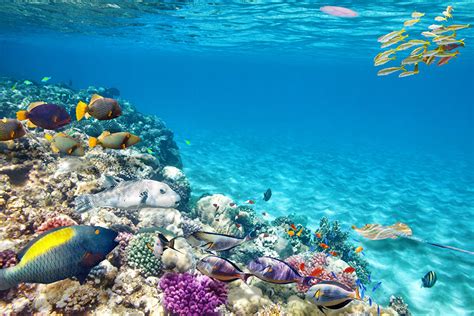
x=167, y=218
x=397, y=304
x=189, y=226
x=181, y=261
x=179, y=183
x=214, y=210
x=246, y=300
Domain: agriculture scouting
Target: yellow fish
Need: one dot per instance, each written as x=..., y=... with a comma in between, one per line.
x=418, y=50
x=119, y=140
x=65, y=144
x=387, y=37
x=390, y=70
x=412, y=60
x=440, y=18
x=456, y=27
x=409, y=73
x=411, y=22
x=428, y=34
x=383, y=61
x=358, y=249
x=394, y=41
x=417, y=15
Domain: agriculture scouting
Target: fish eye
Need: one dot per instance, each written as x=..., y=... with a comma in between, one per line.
x=162, y=191
x=97, y=232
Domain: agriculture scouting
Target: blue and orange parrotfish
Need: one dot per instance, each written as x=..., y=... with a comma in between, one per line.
x=60, y=253
x=45, y=115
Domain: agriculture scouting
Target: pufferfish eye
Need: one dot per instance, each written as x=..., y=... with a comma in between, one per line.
x=162, y=191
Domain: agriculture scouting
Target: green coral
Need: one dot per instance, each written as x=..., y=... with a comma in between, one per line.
x=141, y=257
x=337, y=239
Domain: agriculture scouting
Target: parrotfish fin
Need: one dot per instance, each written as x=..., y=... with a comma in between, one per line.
x=30, y=125
x=94, y=98
x=90, y=260
x=5, y=284
x=81, y=110
x=22, y=115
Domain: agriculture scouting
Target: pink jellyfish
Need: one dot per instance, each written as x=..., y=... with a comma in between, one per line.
x=339, y=11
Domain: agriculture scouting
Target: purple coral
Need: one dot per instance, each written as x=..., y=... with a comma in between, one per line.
x=123, y=238
x=190, y=295
x=7, y=259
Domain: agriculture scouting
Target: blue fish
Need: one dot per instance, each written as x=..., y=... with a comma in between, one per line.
x=334, y=275
x=60, y=253
x=370, y=301
x=369, y=277
x=378, y=310
x=376, y=286
x=274, y=270
x=362, y=294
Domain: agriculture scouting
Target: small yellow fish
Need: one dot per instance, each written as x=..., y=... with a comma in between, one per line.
x=432, y=52
x=410, y=60
x=411, y=22
x=456, y=27
x=450, y=41
x=417, y=15
x=418, y=50
x=299, y=232
x=387, y=37
x=410, y=44
x=446, y=54
x=440, y=38
x=449, y=9
x=447, y=14
x=394, y=41
x=291, y=233
x=435, y=26
x=383, y=61
x=409, y=73
x=428, y=34
x=359, y=249
x=440, y=18
x=429, y=60
x=188, y=142
x=388, y=71
x=384, y=54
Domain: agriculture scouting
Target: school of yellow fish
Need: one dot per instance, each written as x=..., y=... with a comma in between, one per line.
x=441, y=36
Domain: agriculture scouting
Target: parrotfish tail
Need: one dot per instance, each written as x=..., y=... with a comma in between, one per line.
x=5, y=283
x=84, y=203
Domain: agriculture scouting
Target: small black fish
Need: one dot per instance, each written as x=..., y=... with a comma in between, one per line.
x=267, y=195
x=429, y=279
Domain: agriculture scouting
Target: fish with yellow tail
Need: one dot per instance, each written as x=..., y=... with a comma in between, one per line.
x=11, y=129
x=390, y=70
x=120, y=140
x=415, y=71
x=387, y=37
x=394, y=41
x=62, y=143
x=60, y=253
x=99, y=107
x=417, y=15
x=45, y=115
x=411, y=22
x=331, y=295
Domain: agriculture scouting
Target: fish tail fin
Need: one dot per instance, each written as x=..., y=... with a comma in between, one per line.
x=5, y=282
x=84, y=203
x=92, y=142
x=22, y=115
x=245, y=276
x=81, y=110
x=307, y=281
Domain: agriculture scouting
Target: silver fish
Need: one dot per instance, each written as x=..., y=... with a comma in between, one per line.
x=221, y=269
x=214, y=241
x=130, y=195
x=331, y=294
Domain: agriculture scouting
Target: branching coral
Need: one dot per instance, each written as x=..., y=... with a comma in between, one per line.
x=187, y=294
x=140, y=256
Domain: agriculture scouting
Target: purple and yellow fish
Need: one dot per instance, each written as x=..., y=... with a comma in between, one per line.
x=276, y=271
x=99, y=107
x=221, y=269
x=331, y=294
x=11, y=129
x=119, y=140
x=216, y=242
x=62, y=143
x=44, y=115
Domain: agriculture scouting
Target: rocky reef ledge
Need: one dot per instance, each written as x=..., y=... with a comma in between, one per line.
x=37, y=192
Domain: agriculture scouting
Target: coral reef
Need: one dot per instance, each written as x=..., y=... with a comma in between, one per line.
x=7, y=259
x=188, y=294
x=141, y=257
x=54, y=222
x=397, y=304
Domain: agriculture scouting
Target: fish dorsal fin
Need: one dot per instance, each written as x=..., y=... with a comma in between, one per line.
x=28, y=245
x=61, y=134
x=35, y=104
x=104, y=134
x=94, y=98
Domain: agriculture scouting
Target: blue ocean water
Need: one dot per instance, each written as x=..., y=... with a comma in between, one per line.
x=277, y=94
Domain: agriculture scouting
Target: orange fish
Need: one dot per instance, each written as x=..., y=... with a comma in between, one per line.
x=299, y=233
x=316, y=272
x=291, y=233
x=302, y=266
x=444, y=60
x=349, y=270
x=293, y=226
x=333, y=253
x=318, y=235
x=324, y=246
x=358, y=249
